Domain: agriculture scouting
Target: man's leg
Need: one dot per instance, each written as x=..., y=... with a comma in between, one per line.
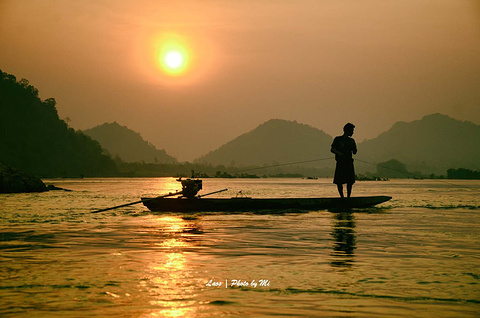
x=340, y=189
x=349, y=189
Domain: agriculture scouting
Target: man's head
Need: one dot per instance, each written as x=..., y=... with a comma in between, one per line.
x=348, y=129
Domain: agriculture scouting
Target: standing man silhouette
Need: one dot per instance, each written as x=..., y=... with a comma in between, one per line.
x=344, y=147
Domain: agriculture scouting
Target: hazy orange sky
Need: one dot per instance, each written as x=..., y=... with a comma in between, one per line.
x=323, y=63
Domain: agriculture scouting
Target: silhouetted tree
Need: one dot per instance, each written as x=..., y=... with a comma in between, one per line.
x=34, y=139
x=462, y=173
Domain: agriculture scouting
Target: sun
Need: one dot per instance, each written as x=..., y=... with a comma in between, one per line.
x=174, y=58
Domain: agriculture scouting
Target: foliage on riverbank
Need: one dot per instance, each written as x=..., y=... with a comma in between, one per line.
x=35, y=140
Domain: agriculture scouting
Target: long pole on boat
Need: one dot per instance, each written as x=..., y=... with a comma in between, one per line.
x=201, y=196
x=136, y=202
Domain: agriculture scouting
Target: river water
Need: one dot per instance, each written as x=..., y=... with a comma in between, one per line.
x=414, y=256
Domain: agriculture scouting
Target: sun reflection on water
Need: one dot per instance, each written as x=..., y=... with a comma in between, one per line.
x=175, y=262
x=172, y=224
x=174, y=312
x=171, y=284
x=160, y=186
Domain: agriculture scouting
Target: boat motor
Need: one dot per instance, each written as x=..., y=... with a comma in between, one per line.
x=190, y=187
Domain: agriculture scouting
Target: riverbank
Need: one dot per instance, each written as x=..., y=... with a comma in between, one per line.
x=16, y=181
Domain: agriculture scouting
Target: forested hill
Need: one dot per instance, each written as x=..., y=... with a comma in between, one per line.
x=275, y=141
x=127, y=144
x=434, y=143
x=35, y=140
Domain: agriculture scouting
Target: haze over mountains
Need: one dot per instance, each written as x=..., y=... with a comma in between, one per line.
x=435, y=142
x=275, y=141
x=432, y=144
x=34, y=139
x=127, y=144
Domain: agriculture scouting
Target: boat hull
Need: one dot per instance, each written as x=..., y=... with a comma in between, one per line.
x=267, y=204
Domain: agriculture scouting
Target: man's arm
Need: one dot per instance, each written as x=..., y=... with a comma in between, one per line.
x=334, y=148
x=335, y=151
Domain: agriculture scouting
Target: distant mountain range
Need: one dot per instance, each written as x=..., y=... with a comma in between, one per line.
x=432, y=144
x=436, y=142
x=275, y=141
x=127, y=144
x=35, y=140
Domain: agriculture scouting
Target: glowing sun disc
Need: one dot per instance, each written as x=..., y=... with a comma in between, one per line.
x=174, y=59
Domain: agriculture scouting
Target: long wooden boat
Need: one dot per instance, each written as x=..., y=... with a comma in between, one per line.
x=243, y=204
